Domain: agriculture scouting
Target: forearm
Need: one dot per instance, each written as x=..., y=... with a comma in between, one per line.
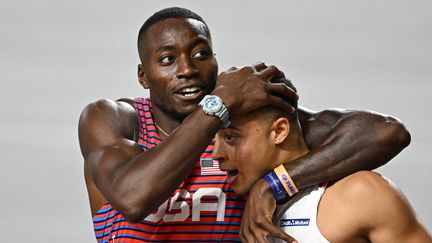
x=358, y=141
x=136, y=183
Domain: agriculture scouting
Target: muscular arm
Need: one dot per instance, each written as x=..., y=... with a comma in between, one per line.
x=133, y=181
x=342, y=142
x=137, y=182
x=345, y=141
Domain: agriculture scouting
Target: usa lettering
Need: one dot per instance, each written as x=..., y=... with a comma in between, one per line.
x=173, y=210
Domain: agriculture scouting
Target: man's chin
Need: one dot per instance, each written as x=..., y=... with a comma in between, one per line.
x=182, y=112
x=240, y=191
x=185, y=110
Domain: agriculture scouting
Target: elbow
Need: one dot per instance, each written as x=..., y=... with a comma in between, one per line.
x=396, y=135
x=133, y=214
x=135, y=209
x=132, y=207
x=404, y=136
x=400, y=134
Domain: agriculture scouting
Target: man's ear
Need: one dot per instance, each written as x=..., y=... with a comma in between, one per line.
x=142, y=77
x=280, y=130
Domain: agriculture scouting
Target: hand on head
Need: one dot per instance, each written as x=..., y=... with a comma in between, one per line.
x=248, y=88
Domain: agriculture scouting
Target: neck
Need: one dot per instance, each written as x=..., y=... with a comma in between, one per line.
x=165, y=121
x=293, y=148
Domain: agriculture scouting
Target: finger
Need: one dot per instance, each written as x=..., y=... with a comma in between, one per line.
x=277, y=77
x=259, y=66
x=280, y=103
x=276, y=232
x=271, y=72
x=242, y=237
x=233, y=68
x=260, y=236
x=282, y=90
x=247, y=236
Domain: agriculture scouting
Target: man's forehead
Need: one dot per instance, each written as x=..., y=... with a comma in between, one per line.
x=177, y=27
x=247, y=120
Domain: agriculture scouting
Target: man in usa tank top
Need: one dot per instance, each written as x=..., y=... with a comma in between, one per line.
x=148, y=169
x=362, y=207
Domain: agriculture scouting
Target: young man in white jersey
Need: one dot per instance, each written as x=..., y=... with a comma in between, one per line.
x=362, y=207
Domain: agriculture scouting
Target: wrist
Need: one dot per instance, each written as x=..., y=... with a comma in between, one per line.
x=275, y=186
x=200, y=121
x=262, y=188
x=280, y=184
x=227, y=99
x=213, y=105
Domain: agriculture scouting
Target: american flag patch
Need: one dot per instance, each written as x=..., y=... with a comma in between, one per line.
x=210, y=166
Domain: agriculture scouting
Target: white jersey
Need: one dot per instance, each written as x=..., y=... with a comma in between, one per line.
x=298, y=216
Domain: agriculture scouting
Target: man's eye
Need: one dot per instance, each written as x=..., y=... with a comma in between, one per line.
x=229, y=137
x=201, y=55
x=167, y=59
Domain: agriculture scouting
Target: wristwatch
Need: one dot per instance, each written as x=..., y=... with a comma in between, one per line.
x=213, y=105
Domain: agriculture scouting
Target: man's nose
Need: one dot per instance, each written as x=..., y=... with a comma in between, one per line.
x=217, y=151
x=186, y=68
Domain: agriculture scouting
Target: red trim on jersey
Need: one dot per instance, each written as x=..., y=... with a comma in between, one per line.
x=199, y=225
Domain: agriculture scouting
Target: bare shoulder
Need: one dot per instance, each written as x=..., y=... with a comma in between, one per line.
x=361, y=182
x=103, y=125
x=371, y=206
x=369, y=189
x=106, y=108
x=105, y=121
x=350, y=203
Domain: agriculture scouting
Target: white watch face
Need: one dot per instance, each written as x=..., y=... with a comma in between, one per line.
x=213, y=104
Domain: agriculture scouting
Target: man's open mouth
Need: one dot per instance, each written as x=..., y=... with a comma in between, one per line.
x=232, y=173
x=188, y=92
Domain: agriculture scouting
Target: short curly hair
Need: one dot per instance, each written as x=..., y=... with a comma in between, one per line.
x=168, y=13
x=271, y=113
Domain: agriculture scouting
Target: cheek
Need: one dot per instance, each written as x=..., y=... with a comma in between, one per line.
x=161, y=89
x=209, y=70
x=251, y=164
x=161, y=77
x=258, y=157
x=246, y=180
